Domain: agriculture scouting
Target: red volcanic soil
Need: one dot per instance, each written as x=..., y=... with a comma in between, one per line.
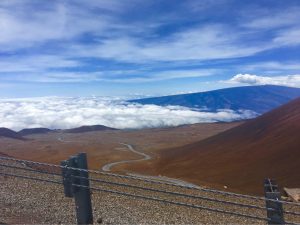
x=240, y=158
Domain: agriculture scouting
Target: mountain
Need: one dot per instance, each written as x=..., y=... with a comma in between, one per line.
x=30, y=131
x=83, y=129
x=259, y=99
x=5, y=132
x=240, y=158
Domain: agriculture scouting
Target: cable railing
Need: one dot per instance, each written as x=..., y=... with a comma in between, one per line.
x=149, y=180
x=131, y=177
x=30, y=178
x=29, y=169
x=75, y=179
x=172, y=193
x=173, y=202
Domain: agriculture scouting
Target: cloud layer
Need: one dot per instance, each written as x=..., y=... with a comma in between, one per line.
x=289, y=80
x=61, y=113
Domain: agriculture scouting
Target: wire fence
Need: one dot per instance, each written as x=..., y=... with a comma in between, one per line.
x=76, y=181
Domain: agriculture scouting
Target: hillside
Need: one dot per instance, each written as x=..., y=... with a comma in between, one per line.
x=83, y=129
x=5, y=132
x=256, y=98
x=30, y=131
x=240, y=158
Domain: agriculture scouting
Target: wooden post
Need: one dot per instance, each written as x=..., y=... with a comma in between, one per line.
x=274, y=207
x=82, y=195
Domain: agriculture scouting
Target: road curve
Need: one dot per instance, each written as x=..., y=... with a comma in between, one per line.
x=108, y=166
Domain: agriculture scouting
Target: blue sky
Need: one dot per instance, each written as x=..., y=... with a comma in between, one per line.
x=158, y=47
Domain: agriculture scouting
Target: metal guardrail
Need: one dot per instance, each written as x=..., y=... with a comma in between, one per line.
x=76, y=182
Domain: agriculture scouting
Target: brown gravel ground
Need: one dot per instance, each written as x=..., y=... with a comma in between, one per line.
x=31, y=202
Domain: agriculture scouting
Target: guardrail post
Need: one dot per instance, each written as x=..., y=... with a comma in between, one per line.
x=274, y=207
x=82, y=195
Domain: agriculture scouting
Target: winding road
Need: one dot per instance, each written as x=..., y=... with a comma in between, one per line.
x=108, y=166
x=145, y=157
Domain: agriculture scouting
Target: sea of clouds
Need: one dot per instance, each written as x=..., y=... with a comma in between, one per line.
x=62, y=113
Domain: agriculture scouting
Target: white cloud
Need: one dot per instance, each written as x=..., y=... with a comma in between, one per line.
x=26, y=23
x=272, y=66
x=64, y=35
x=288, y=37
x=183, y=74
x=289, y=80
x=198, y=43
x=201, y=6
x=164, y=75
x=54, y=112
x=35, y=71
x=36, y=63
x=208, y=42
x=266, y=20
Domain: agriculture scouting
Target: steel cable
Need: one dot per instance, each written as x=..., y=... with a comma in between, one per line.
x=173, y=193
x=28, y=161
x=291, y=223
x=153, y=181
x=186, y=187
x=292, y=213
x=28, y=169
x=173, y=202
x=30, y=178
x=148, y=198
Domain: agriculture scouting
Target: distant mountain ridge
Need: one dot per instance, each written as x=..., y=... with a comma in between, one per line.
x=259, y=99
x=29, y=131
x=83, y=129
x=8, y=133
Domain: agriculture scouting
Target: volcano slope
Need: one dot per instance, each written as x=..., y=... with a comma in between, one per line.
x=260, y=99
x=241, y=157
